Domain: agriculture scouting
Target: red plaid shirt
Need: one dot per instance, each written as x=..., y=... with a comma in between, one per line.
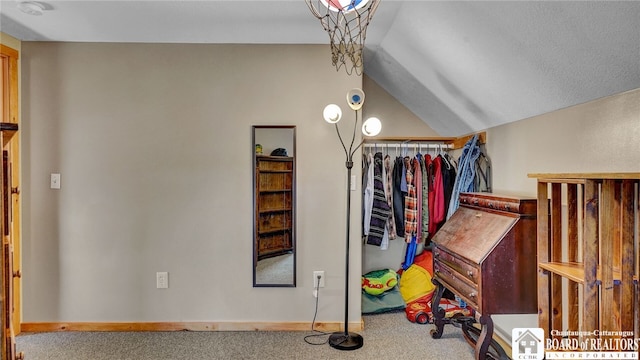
x=410, y=203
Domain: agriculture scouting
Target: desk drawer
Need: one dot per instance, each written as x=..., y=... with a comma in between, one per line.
x=469, y=271
x=458, y=284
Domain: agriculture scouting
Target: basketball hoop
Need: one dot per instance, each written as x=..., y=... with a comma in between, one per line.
x=346, y=22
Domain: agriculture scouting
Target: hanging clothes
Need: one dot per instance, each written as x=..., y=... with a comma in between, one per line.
x=410, y=202
x=417, y=185
x=410, y=253
x=380, y=209
x=388, y=187
x=367, y=196
x=398, y=195
x=466, y=172
x=483, y=174
x=436, y=196
x=418, y=189
x=448, y=179
x=426, y=188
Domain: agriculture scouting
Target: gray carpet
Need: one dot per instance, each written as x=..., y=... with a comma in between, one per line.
x=275, y=270
x=386, y=336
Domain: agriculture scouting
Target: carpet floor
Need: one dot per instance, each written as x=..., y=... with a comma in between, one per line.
x=386, y=336
x=275, y=270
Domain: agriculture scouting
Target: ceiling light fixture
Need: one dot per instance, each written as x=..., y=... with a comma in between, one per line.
x=31, y=8
x=346, y=22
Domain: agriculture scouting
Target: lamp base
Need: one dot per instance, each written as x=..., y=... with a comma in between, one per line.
x=345, y=341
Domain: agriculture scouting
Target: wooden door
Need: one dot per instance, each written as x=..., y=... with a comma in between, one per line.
x=10, y=318
x=9, y=206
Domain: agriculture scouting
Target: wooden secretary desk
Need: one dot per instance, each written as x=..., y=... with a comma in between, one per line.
x=486, y=254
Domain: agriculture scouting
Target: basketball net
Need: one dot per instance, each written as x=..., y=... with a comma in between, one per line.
x=346, y=22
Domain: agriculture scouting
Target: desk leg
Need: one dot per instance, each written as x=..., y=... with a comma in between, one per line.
x=486, y=335
x=481, y=340
x=438, y=312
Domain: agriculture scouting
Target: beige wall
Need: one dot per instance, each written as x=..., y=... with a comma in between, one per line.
x=153, y=143
x=396, y=119
x=599, y=136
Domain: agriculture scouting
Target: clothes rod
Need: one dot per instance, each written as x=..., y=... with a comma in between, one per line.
x=456, y=142
x=413, y=145
x=438, y=139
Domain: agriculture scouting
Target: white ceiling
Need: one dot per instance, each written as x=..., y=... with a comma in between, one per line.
x=461, y=66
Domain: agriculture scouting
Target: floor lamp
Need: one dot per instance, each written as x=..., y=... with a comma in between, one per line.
x=345, y=340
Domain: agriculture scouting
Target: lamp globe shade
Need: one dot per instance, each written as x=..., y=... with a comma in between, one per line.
x=332, y=113
x=372, y=126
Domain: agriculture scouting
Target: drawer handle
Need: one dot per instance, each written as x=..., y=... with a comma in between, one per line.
x=470, y=273
x=473, y=294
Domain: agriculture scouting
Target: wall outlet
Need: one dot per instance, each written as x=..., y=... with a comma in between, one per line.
x=318, y=283
x=162, y=280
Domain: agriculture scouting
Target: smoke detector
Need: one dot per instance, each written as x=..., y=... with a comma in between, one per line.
x=31, y=8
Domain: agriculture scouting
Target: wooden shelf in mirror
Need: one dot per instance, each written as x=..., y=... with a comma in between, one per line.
x=275, y=210
x=274, y=213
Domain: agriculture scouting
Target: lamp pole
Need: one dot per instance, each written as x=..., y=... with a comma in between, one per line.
x=345, y=340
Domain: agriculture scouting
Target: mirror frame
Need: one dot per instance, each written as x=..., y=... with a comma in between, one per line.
x=293, y=205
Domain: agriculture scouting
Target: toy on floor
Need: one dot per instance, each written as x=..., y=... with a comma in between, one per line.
x=378, y=281
x=419, y=311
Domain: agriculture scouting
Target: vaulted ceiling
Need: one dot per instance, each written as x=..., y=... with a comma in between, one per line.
x=460, y=66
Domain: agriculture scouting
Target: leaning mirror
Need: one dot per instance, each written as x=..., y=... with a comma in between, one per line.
x=274, y=211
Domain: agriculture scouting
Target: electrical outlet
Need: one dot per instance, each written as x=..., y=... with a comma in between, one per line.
x=162, y=280
x=318, y=283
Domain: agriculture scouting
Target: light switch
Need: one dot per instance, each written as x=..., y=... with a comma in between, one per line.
x=55, y=181
x=162, y=280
